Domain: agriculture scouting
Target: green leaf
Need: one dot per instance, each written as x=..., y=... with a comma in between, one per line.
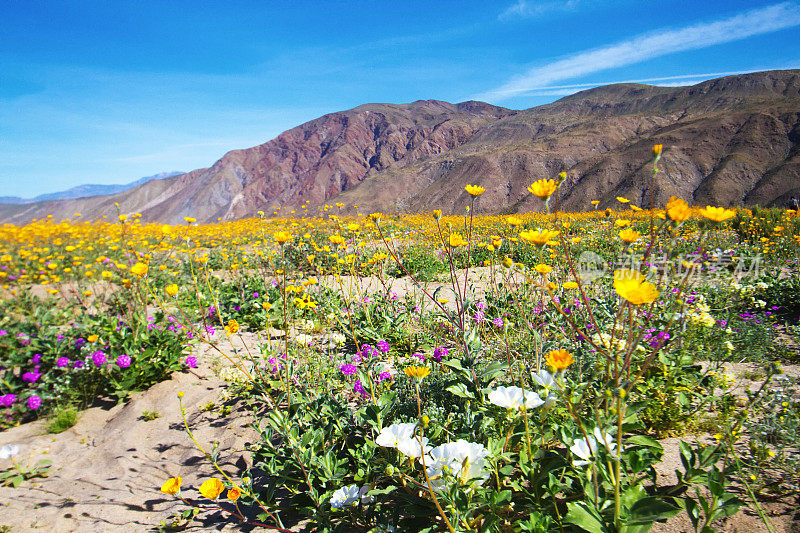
x=651, y=509
x=585, y=517
x=641, y=440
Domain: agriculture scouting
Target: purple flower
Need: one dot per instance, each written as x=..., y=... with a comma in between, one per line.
x=255, y=295
x=3, y=333
x=348, y=370
x=191, y=361
x=384, y=375
x=419, y=356
x=276, y=366
x=480, y=305
x=7, y=399
x=359, y=388
x=383, y=346
x=124, y=361
x=62, y=362
x=79, y=342
x=78, y=364
x=498, y=322
x=440, y=352
x=36, y=358
x=479, y=317
x=34, y=402
x=99, y=358
x=31, y=377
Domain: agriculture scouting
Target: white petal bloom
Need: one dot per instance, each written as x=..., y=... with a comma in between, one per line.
x=544, y=379
x=391, y=436
x=606, y=439
x=585, y=448
x=349, y=495
x=512, y=398
x=465, y=461
x=413, y=446
x=8, y=451
x=508, y=397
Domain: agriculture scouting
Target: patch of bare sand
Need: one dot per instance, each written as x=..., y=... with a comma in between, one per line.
x=108, y=469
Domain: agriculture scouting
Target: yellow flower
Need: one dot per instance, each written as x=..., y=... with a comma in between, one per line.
x=233, y=494
x=570, y=285
x=232, y=327
x=717, y=214
x=417, y=372
x=559, y=359
x=657, y=149
x=455, y=240
x=678, y=210
x=631, y=285
x=474, y=190
x=376, y=216
x=282, y=237
x=172, y=290
x=538, y=237
x=123, y=218
x=543, y=188
x=595, y=202
x=543, y=269
x=211, y=488
x=353, y=227
x=189, y=220
x=622, y=200
x=514, y=221
x=172, y=486
x=336, y=239
x=622, y=222
x=139, y=269
x=629, y=235
x=437, y=214
x=92, y=338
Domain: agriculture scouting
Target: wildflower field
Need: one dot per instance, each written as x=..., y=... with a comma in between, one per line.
x=424, y=372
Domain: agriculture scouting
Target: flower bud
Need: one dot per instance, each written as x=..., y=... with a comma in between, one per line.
x=180, y=394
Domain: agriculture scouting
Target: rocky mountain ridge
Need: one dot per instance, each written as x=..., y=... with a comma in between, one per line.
x=728, y=141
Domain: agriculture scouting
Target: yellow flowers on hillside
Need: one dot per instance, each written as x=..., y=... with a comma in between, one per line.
x=455, y=240
x=543, y=188
x=538, y=237
x=632, y=286
x=559, y=360
x=417, y=372
x=474, y=190
x=629, y=235
x=282, y=237
x=717, y=214
x=678, y=210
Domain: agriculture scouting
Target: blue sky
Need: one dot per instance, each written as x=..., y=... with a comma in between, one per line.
x=110, y=91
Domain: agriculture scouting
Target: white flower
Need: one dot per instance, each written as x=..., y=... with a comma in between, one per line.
x=512, y=398
x=391, y=436
x=401, y=436
x=8, y=451
x=545, y=379
x=586, y=447
x=550, y=401
x=466, y=461
x=349, y=495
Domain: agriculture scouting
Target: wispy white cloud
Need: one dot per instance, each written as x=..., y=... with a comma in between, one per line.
x=643, y=47
x=526, y=9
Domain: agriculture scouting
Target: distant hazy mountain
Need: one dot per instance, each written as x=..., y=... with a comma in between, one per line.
x=83, y=191
x=728, y=141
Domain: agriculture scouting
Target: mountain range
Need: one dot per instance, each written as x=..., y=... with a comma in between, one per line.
x=86, y=190
x=728, y=141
